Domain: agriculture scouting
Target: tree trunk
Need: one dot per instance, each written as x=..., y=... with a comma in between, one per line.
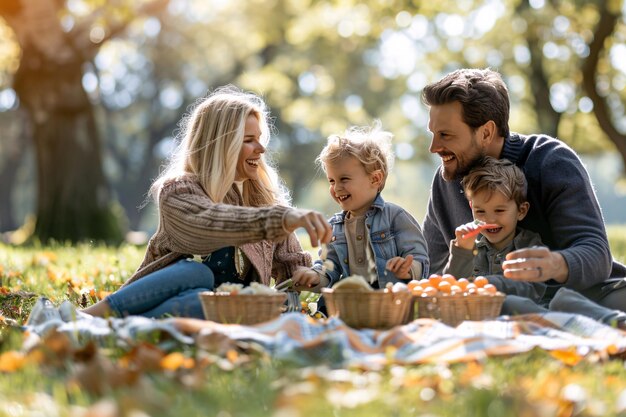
x=601, y=109
x=137, y=173
x=17, y=140
x=7, y=185
x=73, y=199
x=547, y=118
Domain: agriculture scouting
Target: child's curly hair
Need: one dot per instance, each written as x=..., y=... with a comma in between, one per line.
x=369, y=145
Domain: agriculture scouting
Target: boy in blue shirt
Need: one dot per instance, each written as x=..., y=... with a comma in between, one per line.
x=371, y=237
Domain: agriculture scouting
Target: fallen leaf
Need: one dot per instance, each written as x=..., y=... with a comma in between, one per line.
x=11, y=361
x=232, y=355
x=100, y=374
x=215, y=342
x=567, y=356
x=176, y=360
x=143, y=357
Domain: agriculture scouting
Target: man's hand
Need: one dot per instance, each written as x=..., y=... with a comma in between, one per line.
x=400, y=266
x=313, y=222
x=536, y=264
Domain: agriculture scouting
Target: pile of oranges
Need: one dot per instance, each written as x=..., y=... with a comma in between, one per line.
x=447, y=284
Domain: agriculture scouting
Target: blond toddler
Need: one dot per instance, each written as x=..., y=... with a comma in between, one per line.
x=370, y=237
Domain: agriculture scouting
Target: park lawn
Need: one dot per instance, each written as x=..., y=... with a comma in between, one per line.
x=58, y=380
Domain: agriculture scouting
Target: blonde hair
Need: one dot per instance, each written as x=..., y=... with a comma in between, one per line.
x=211, y=137
x=491, y=175
x=371, y=146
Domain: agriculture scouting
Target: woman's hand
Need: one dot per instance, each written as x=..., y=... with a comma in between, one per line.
x=305, y=277
x=400, y=266
x=535, y=264
x=313, y=222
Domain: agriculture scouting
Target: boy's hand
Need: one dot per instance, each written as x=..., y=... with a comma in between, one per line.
x=305, y=277
x=400, y=266
x=466, y=233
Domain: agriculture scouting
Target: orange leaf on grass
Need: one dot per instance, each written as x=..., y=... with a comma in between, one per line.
x=52, y=275
x=472, y=370
x=44, y=258
x=99, y=374
x=143, y=357
x=567, y=356
x=14, y=274
x=176, y=360
x=102, y=294
x=11, y=361
x=232, y=355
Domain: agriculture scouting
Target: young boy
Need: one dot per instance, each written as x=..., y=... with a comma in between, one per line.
x=375, y=239
x=496, y=191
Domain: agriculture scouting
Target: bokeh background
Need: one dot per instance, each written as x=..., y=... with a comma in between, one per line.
x=91, y=92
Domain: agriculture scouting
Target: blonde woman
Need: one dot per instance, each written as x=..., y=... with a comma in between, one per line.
x=220, y=200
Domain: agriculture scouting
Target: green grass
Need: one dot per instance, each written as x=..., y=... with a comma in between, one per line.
x=59, y=379
x=617, y=237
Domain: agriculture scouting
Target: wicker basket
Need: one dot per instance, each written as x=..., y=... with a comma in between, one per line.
x=241, y=308
x=368, y=309
x=454, y=309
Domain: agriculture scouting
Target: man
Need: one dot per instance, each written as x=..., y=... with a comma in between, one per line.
x=469, y=115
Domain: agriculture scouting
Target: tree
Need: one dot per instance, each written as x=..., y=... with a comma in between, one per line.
x=73, y=197
x=321, y=66
x=561, y=60
x=13, y=151
x=567, y=26
x=607, y=24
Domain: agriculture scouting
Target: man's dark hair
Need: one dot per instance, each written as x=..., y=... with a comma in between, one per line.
x=481, y=92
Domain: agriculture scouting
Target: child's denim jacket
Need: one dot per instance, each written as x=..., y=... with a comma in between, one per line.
x=392, y=232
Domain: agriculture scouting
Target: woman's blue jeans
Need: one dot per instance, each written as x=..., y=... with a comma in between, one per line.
x=174, y=289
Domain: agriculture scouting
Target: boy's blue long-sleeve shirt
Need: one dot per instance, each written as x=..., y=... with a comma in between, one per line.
x=392, y=232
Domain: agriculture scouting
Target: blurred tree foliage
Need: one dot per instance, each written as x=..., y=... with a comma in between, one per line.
x=321, y=65
x=73, y=197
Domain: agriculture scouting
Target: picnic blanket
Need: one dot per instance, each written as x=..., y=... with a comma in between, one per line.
x=303, y=341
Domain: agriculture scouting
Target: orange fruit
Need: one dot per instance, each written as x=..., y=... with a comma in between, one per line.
x=449, y=278
x=412, y=284
x=481, y=281
x=444, y=287
x=417, y=290
x=490, y=289
x=462, y=282
x=435, y=279
x=429, y=292
x=455, y=289
x=424, y=282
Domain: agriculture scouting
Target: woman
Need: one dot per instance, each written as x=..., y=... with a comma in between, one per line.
x=218, y=198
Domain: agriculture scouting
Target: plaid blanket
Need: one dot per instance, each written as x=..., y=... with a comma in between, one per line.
x=300, y=340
